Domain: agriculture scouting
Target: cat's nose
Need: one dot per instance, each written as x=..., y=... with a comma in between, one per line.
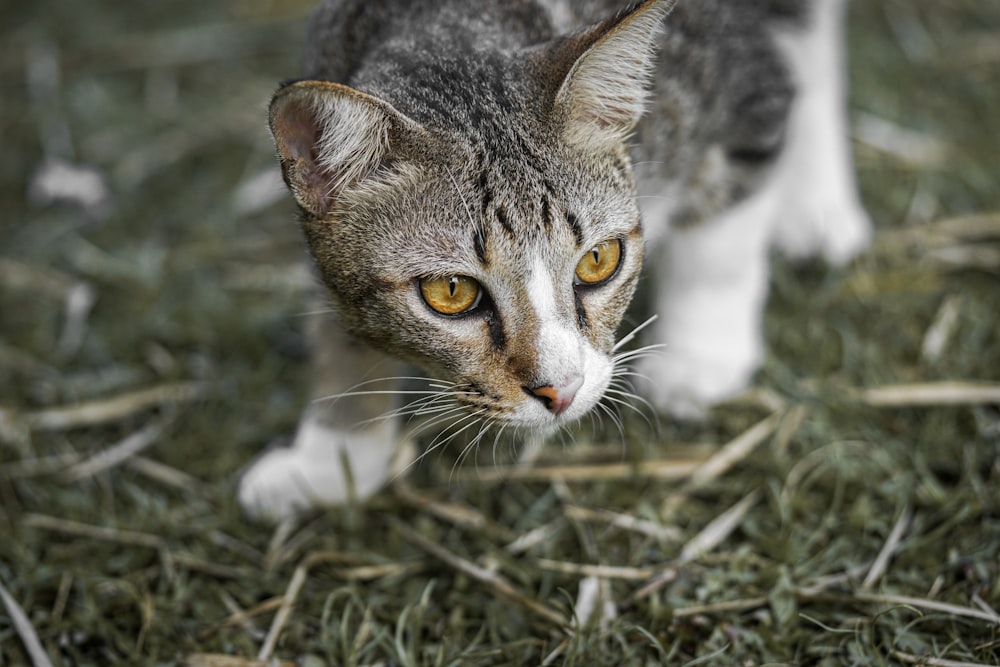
x=557, y=398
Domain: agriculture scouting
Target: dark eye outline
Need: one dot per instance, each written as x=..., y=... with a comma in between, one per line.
x=580, y=284
x=474, y=307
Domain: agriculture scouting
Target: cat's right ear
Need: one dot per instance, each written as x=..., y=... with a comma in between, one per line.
x=603, y=75
x=330, y=139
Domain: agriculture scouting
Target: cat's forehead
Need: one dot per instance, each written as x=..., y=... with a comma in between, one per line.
x=481, y=207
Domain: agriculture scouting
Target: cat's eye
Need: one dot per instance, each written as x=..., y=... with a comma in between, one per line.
x=451, y=295
x=599, y=263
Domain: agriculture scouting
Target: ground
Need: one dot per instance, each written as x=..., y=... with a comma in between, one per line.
x=846, y=513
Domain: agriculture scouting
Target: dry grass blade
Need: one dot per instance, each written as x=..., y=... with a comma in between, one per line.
x=119, y=452
x=39, y=658
x=668, y=469
x=882, y=560
x=370, y=572
x=493, y=581
x=113, y=409
x=927, y=605
x=39, y=466
x=242, y=617
x=284, y=612
x=940, y=332
x=718, y=529
x=968, y=256
x=729, y=606
x=625, y=522
x=222, y=660
x=459, y=515
x=600, y=571
x=39, y=280
x=933, y=394
x=947, y=231
x=534, y=537
x=721, y=462
x=915, y=149
x=169, y=476
x=217, y=570
x=710, y=537
x=928, y=661
x=87, y=530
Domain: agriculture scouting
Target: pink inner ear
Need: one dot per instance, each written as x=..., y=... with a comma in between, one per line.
x=296, y=132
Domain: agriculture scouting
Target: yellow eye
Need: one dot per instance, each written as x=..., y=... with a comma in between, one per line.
x=600, y=262
x=452, y=295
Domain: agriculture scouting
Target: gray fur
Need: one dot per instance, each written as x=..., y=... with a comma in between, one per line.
x=477, y=175
x=495, y=140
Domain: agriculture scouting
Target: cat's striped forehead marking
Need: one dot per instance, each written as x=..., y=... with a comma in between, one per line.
x=519, y=223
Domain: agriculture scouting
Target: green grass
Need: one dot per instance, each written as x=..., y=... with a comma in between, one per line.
x=149, y=561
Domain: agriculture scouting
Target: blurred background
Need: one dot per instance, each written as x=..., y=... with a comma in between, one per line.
x=151, y=317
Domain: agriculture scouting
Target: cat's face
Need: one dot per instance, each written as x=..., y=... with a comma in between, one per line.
x=498, y=286
x=496, y=247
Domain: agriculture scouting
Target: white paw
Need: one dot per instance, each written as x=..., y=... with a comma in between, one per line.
x=820, y=213
x=323, y=467
x=685, y=383
x=837, y=231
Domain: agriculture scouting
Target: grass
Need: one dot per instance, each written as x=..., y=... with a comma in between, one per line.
x=847, y=513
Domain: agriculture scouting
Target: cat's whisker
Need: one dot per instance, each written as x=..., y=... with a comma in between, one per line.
x=427, y=406
x=638, y=353
x=458, y=191
x=496, y=442
x=615, y=419
x=442, y=439
x=465, y=423
x=622, y=373
x=632, y=334
x=484, y=427
x=385, y=392
x=621, y=386
x=446, y=415
x=433, y=408
x=641, y=353
x=313, y=313
x=627, y=400
x=354, y=390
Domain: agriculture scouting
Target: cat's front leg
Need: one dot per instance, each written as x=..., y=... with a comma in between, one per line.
x=711, y=288
x=345, y=447
x=821, y=213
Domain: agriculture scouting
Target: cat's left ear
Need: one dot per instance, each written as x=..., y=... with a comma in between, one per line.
x=604, y=75
x=333, y=140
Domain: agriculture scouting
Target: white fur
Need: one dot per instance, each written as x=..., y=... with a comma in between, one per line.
x=354, y=136
x=712, y=298
x=709, y=306
x=560, y=15
x=312, y=471
x=566, y=358
x=820, y=212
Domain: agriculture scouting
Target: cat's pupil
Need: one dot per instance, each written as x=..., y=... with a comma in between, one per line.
x=452, y=285
x=596, y=252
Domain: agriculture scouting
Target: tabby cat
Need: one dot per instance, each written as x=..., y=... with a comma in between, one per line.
x=479, y=183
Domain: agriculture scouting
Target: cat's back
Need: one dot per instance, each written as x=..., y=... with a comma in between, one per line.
x=347, y=36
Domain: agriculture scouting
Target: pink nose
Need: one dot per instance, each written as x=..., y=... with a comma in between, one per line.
x=557, y=399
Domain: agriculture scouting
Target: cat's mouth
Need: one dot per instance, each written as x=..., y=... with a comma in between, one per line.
x=541, y=406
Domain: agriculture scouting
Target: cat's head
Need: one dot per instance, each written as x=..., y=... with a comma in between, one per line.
x=497, y=244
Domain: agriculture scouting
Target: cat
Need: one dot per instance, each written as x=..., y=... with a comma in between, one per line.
x=480, y=184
